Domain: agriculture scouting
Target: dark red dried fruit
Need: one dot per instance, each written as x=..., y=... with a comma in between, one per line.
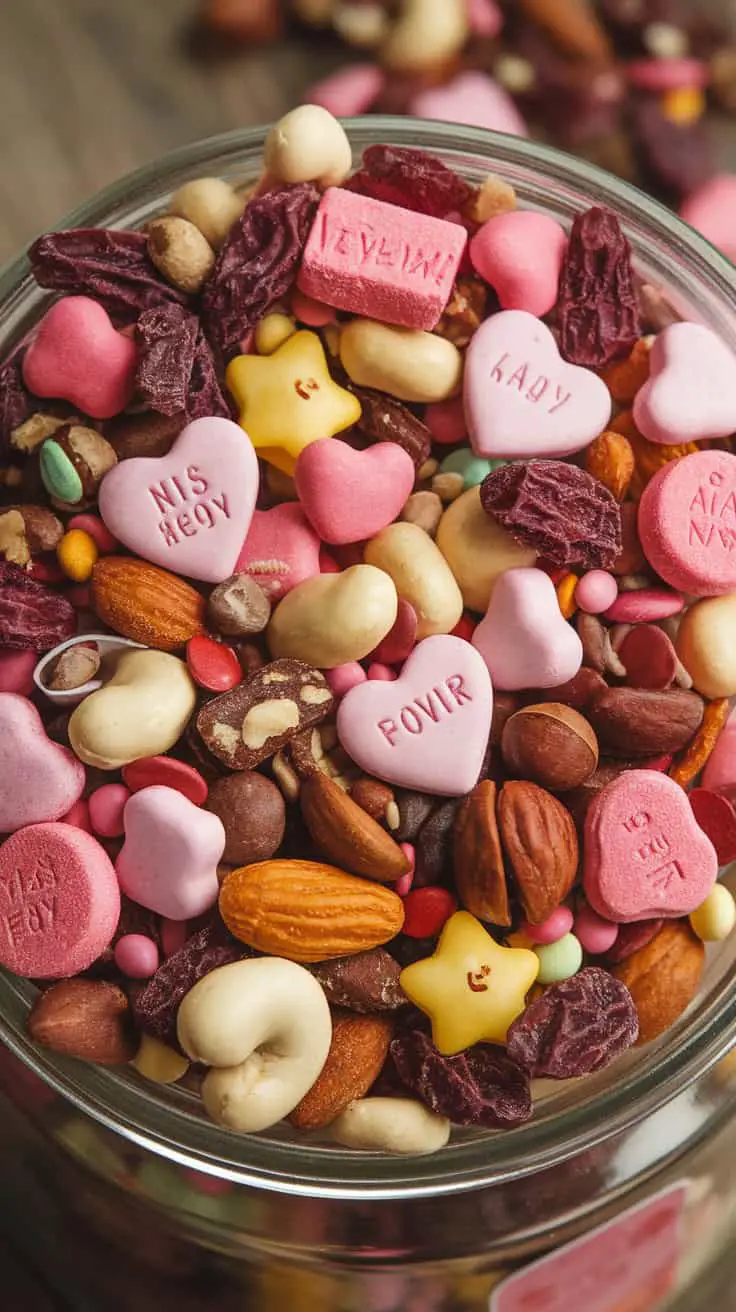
x=481, y=1086
x=257, y=264
x=385, y=420
x=32, y=617
x=631, y=938
x=112, y=267
x=412, y=179
x=598, y=308
x=176, y=371
x=16, y=402
x=716, y=815
x=206, y=396
x=155, y=1006
x=575, y=1028
x=560, y=510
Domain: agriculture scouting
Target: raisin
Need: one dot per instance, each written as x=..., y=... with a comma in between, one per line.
x=112, y=267
x=412, y=179
x=32, y=617
x=155, y=1006
x=481, y=1086
x=575, y=1028
x=16, y=402
x=561, y=511
x=598, y=309
x=386, y=420
x=176, y=372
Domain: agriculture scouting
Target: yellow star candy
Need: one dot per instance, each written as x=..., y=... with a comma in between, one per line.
x=288, y=399
x=471, y=988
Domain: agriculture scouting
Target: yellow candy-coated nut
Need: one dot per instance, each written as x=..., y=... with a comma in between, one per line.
x=683, y=105
x=159, y=1063
x=706, y=645
x=406, y=363
x=560, y=960
x=714, y=919
x=272, y=332
x=477, y=549
x=308, y=145
x=421, y=575
x=471, y=988
x=566, y=595
x=77, y=555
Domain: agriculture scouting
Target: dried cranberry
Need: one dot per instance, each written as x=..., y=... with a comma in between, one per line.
x=384, y=419
x=412, y=179
x=716, y=815
x=257, y=264
x=575, y=1028
x=155, y=1006
x=560, y=510
x=206, y=396
x=598, y=309
x=32, y=617
x=174, y=355
x=481, y=1086
x=631, y=938
x=112, y=267
x=16, y=402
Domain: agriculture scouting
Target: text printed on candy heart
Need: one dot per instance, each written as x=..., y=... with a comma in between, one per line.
x=425, y=711
x=518, y=375
x=187, y=489
x=713, y=515
x=368, y=248
x=654, y=846
x=30, y=899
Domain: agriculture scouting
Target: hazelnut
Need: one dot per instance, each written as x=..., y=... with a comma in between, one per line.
x=180, y=252
x=551, y=744
x=211, y=205
x=73, y=668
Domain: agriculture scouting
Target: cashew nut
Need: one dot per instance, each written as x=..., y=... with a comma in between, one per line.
x=142, y=711
x=406, y=363
x=264, y=1027
x=390, y=1125
x=308, y=145
x=421, y=576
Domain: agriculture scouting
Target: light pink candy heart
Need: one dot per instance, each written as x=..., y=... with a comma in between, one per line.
x=40, y=780
x=350, y=495
x=190, y=510
x=523, y=637
x=281, y=550
x=691, y=390
x=522, y=399
x=429, y=728
x=168, y=862
x=77, y=353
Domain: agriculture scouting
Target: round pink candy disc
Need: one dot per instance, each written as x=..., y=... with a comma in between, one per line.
x=687, y=523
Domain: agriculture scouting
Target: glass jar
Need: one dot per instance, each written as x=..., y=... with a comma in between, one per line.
x=125, y=1196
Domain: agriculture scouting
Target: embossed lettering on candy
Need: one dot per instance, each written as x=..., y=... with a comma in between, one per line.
x=687, y=523
x=522, y=399
x=188, y=511
x=429, y=728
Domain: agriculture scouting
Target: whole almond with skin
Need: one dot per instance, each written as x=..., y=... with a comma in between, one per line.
x=146, y=604
x=634, y=722
x=307, y=911
x=357, y=1052
x=367, y=982
x=84, y=1018
x=551, y=744
x=346, y=834
x=663, y=977
x=541, y=843
x=479, y=870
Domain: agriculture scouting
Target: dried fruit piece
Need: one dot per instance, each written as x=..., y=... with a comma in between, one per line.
x=698, y=751
x=412, y=179
x=610, y=459
x=575, y=1028
x=598, y=309
x=716, y=816
x=481, y=1086
x=172, y=347
x=478, y=859
x=366, y=983
x=156, y=1005
x=32, y=617
x=465, y=311
x=649, y=457
x=624, y=378
x=112, y=267
x=384, y=419
x=541, y=843
x=16, y=402
x=357, y=1052
x=84, y=1018
x=632, y=937
x=561, y=511
x=663, y=977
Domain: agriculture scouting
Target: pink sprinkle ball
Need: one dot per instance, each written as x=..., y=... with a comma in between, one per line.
x=79, y=816
x=16, y=671
x=174, y=934
x=403, y=885
x=485, y=17
x=595, y=934
x=136, y=956
x=315, y=314
x=596, y=591
x=383, y=672
x=106, y=806
x=345, y=677
x=446, y=421
x=98, y=531
x=552, y=929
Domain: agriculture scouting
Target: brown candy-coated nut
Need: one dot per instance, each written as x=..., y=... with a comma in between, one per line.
x=478, y=859
x=27, y=531
x=238, y=607
x=84, y=1018
x=73, y=667
x=635, y=722
x=357, y=1053
x=505, y=704
x=541, y=843
x=253, y=815
x=89, y=452
x=578, y=692
x=180, y=252
x=663, y=977
x=367, y=982
x=346, y=834
x=147, y=434
x=551, y=744
x=424, y=509
x=579, y=799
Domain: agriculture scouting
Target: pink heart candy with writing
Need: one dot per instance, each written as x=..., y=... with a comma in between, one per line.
x=523, y=638
x=522, y=399
x=429, y=728
x=168, y=862
x=691, y=391
x=350, y=495
x=40, y=780
x=79, y=356
x=645, y=855
x=190, y=510
x=281, y=550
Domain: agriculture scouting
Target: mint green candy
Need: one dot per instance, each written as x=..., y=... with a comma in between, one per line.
x=60, y=478
x=560, y=960
x=473, y=468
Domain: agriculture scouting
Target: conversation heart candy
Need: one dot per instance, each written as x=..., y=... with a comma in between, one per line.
x=520, y=255
x=645, y=855
x=190, y=510
x=350, y=495
x=523, y=637
x=169, y=859
x=76, y=354
x=280, y=551
x=687, y=523
x=40, y=780
x=691, y=390
x=428, y=729
x=522, y=399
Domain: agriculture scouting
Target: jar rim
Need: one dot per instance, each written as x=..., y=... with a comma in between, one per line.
x=131, y=1109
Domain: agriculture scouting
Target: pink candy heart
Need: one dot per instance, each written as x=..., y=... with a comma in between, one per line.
x=77, y=355
x=190, y=510
x=472, y=98
x=523, y=638
x=350, y=495
x=169, y=859
x=429, y=728
x=520, y=254
x=691, y=391
x=281, y=550
x=522, y=399
x=40, y=780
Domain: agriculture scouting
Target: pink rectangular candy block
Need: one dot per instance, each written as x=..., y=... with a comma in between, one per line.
x=380, y=261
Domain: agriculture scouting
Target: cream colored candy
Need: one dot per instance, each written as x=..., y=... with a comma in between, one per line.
x=426, y=34
x=142, y=711
x=706, y=645
x=272, y=331
x=477, y=549
x=334, y=618
x=308, y=145
x=211, y=205
x=264, y=1027
x=390, y=1125
x=158, y=1062
x=714, y=919
x=421, y=576
x=406, y=363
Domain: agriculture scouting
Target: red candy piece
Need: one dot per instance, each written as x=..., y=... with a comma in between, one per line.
x=212, y=665
x=400, y=641
x=465, y=627
x=648, y=657
x=717, y=818
x=167, y=772
x=426, y=910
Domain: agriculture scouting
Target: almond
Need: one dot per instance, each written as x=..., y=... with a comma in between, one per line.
x=479, y=871
x=357, y=1052
x=541, y=843
x=146, y=604
x=347, y=834
x=307, y=911
x=84, y=1018
x=663, y=977
x=634, y=722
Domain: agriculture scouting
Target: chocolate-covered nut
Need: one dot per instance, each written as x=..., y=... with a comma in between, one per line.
x=253, y=721
x=253, y=814
x=27, y=531
x=238, y=607
x=367, y=982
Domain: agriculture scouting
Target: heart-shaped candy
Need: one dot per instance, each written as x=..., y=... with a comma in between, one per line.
x=429, y=728
x=523, y=638
x=281, y=550
x=522, y=399
x=691, y=390
x=40, y=780
x=188, y=511
x=169, y=859
x=78, y=355
x=348, y=495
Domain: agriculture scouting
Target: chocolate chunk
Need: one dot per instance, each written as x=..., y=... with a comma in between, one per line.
x=259, y=717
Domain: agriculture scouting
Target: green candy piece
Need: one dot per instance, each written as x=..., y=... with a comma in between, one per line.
x=560, y=960
x=473, y=468
x=60, y=478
